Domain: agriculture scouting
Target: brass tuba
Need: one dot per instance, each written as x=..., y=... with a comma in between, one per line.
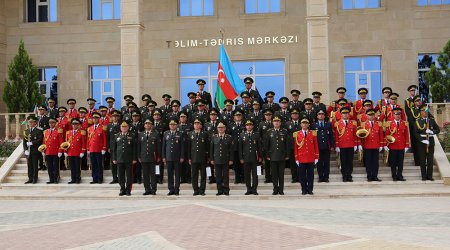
x=65, y=145
x=42, y=148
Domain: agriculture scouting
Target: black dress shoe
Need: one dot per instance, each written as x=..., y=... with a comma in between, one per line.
x=310, y=193
x=226, y=193
x=350, y=179
x=255, y=193
x=147, y=193
x=99, y=182
x=248, y=193
x=219, y=193
x=70, y=182
x=369, y=179
x=28, y=182
x=50, y=182
x=114, y=182
x=376, y=179
x=281, y=192
x=122, y=193
x=196, y=193
x=78, y=181
x=401, y=179
x=171, y=193
x=93, y=182
x=128, y=193
x=267, y=181
x=153, y=192
x=177, y=193
x=304, y=192
x=202, y=193
x=274, y=192
x=431, y=179
x=327, y=180
x=34, y=181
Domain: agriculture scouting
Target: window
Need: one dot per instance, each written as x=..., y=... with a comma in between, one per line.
x=424, y=64
x=196, y=7
x=106, y=81
x=262, y=6
x=48, y=82
x=432, y=2
x=360, y=4
x=268, y=75
x=104, y=9
x=363, y=72
x=42, y=11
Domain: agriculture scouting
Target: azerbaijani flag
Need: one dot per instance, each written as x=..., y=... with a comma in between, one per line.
x=229, y=85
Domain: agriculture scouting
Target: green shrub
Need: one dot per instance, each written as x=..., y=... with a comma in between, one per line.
x=7, y=148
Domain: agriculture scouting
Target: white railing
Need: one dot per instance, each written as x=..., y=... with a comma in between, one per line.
x=441, y=112
x=13, y=125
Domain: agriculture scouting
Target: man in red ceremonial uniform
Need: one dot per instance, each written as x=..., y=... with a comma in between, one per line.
x=385, y=101
x=306, y=153
x=334, y=105
x=72, y=111
x=346, y=143
x=358, y=106
x=91, y=107
x=104, y=119
x=110, y=101
x=96, y=146
x=53, y=137
x=85, y=124
x=77, y=139
x=398, y=129
x=389, y=116
x=372, y=144
x=64, y=124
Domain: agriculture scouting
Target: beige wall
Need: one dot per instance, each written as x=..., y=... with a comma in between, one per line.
x=2, y=52
x=399, y=31
x=72, y=44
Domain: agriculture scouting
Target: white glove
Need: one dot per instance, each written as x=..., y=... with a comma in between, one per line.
x=88, y=153
x=29, y=143
x=65, y=154
x=27, y=152
x=406, y=149
x=43, y=155
x=338, y=149
x=297, y=162
x=103, y=152
x=380, y=149
x=386, y=148
x=426, y=142
x=81, y=155
x=355, y=148
x=360, y=148
x=316, y=161
x=59, y=154
x=429, y=131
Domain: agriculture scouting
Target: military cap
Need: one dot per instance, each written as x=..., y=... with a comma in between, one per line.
x=270, y=94
x=91, y=100
x=423, y=107
x=276, y=118
x=116, y=113
x=148, y=120
x=304, y=120
x=103, y=108
x=175, y=103
x=387, y=89
x=255, y=102
x=283, y=100
x=131, y=105
x=32, y=118
x=342, y=101
x=191, y=95
x=198, y=121
x=341, y=90
x=416, y=98
x=308, y=101
x=237, y=112
x=397, y=110
x=152, y=103
x=173, y=122
x=62, y=109
x=42, y=107
x=135, y=113
x=295, y=110
x=248, y=80
x=200, y=102
x=71, y=101
x=52, y=119
x=182, y=113
x=412, y=87
x=362, y=91
x=295, y=92
x=201, y=82
x=110, y=99
x=321, y=112
x=245, y=94
x=370, y=112
x=146, y=97
x=228, y=102
x=248, y=122
x=268, y=111
x=221, y=125
x=166, y=96
x=75, y=121
x=367, y=103
x=51, y=99
x=316, y=94
x=157, y=112
x=124, y=124
x=393, y=96
x=128, y=98
x=96, y=115
x=344, y=110
x=214, y=111
x=82, y=110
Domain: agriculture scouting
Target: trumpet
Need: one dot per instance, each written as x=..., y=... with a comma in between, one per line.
x=42, y=148
x=65, y=145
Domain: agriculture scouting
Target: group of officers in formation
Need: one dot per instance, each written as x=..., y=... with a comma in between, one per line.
x=139, y=143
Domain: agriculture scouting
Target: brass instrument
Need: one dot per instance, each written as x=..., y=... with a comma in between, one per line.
x=42, y=148
x=65, y=145
x=389, y=139
x=362, y=133
x=27, y=137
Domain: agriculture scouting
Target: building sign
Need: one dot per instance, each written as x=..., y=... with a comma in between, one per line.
x=237, y=41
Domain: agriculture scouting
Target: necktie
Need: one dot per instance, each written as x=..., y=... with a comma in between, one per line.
x=147, y=135
x=71, y=111
x=95, y=127
x=345, y=123
x=306, y=133
x=371, y=124
x=398, y=124
x=221, y=137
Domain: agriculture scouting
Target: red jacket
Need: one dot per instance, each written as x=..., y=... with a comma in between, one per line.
x=375, y=140
x=85, y=123
x=305, y=148
x=53, y=141
x=346, y=136
x=90, y=112
x=105, y=120
x=72, y=114
x=401, y=134
x=96, y=139
x=389, y=115
x=64, y=124
x=77, y=142
x=110, y=110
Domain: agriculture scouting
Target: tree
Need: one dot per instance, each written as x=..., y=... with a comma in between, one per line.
x=21, y=91
x=438, y=79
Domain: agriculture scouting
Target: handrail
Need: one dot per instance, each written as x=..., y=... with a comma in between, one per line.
x=17, y=117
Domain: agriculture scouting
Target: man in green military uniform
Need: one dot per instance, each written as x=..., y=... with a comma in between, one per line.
x=149, y=152
x=33, y=138
x=124, y=154
x=113, y=128
x=198, y=146
x=173, y=143
x=221, y=155
x=250, y=155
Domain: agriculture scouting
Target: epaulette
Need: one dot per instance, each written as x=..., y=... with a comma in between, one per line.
x=354, y=103
x=387, y=124
x=380, y=124
x=60, y=130
x=314, y=132
x=336, y=124
x=90, y=121
x=379, y=102
x=105, y=128
x=406, y=123
x=295, y=134
x=354, y=123
x=363, y=124
x=83, y=132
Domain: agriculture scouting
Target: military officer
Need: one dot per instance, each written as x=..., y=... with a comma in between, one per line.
x=185, y=128
x=221, y=156
x=308, y=113
x=211, y=128
x=293, y=126
x=175, y=112
x=325, y=142
x=63, y=123
x=341, y=95
x=160, y=126
x=317, y=105
x=256, y=114
x=424, y=130
x=276, y=147
x=413, y=114
x=42, y=125
x=110, y=101
x=270, y=104
x=85, y=122
x=201, y=113
x=254, y=94
x=128, y=99
x=146, y=98
x=112, y=129
x=33, y=137
x=397, y=129
x=128, y=115
x=96, y=148
x=295, y=102
x=389, y=114
x=198, y=146
x=53, y=138
x=283, y=112
x=172, y=156
x=306, y=155
x=52, y=110
x=412, y=89
x=124, y=154
x=91, y=107
x=249, y=148
x=384, y=102
x=246, y=105
x=227, y=113
x=166, y=108
x=346, y=143
x=263, y=127
x=372, y=144
x=76, y=151
x=236, y=128
x=149, y=154
x=104, y=118
x=72, y=111
x=358, y=106
x=190, y=108
x=205, y=96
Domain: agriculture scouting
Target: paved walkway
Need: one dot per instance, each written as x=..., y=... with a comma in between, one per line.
x=344, y=223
